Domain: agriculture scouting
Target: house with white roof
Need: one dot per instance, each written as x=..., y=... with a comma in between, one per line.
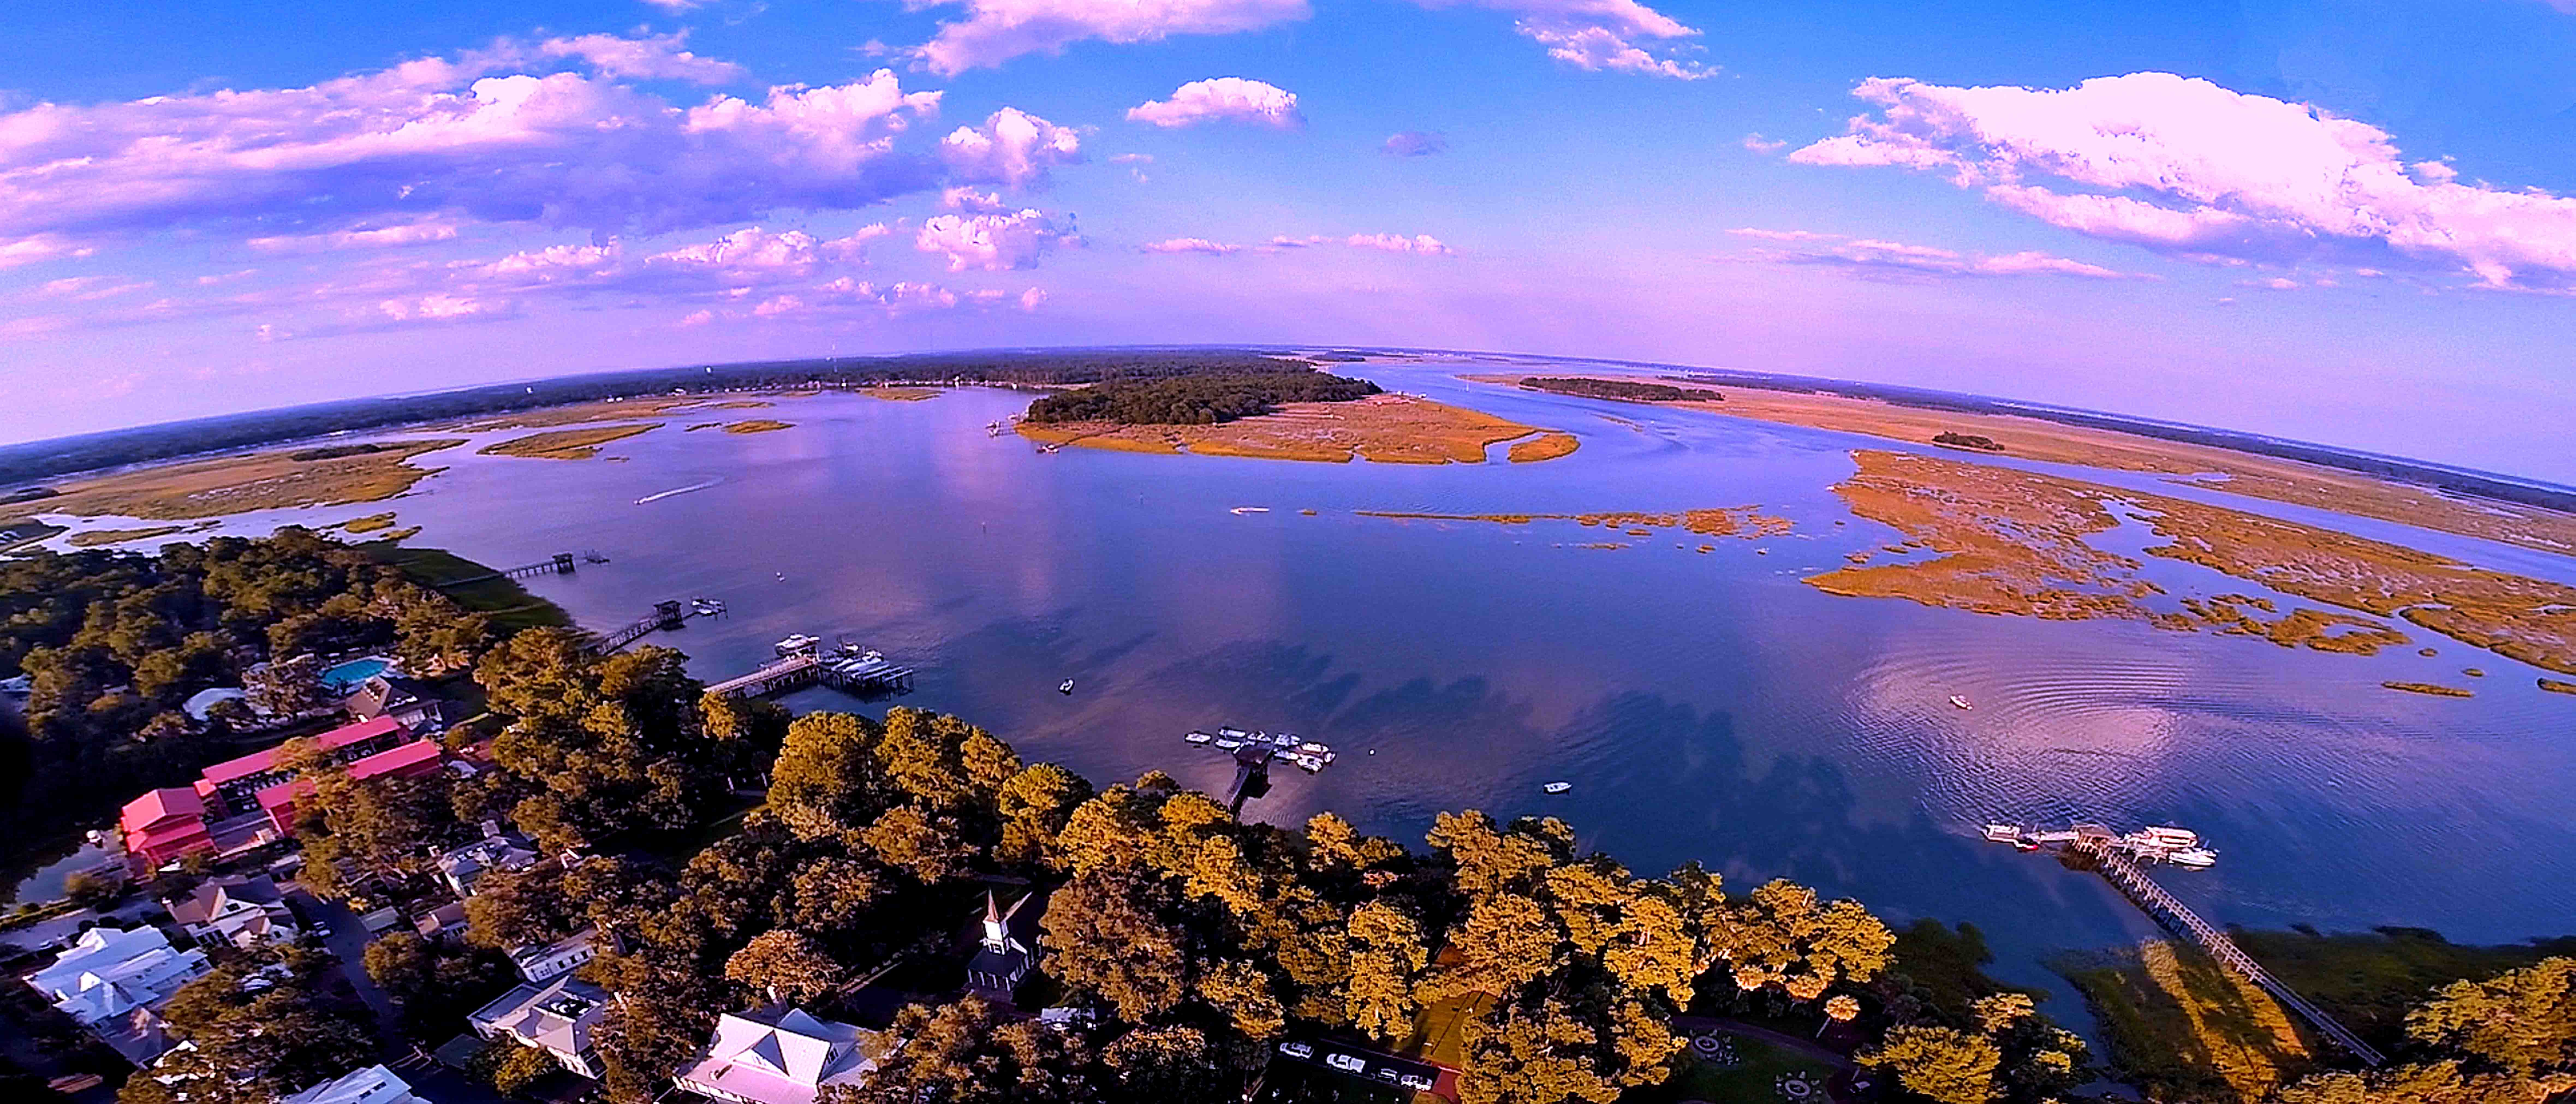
x=782, y=1055
x=557, y=1019
x=111, y=981
x=543, y=962
x=372, y=1085
x=497, y=850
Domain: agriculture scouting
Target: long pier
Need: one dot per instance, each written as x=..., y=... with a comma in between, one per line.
x=2152, y=899
x=802, y=669
x=561, y=563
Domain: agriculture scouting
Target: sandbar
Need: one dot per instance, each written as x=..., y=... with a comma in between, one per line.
x=1545, y=446
x=760, y=425
x=98, y=537
x=565, y=444
x=2434, y=689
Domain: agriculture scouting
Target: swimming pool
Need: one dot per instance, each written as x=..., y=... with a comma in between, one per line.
x=347, y=676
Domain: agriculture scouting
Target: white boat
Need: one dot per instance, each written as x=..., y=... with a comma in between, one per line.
x=2003, y=833
x=1065, y=687
x=795, y=644
x=1238, y=734
x=1240, y=510
x=1199, y=738
x=1960, y=702
x=1312, y=748
x=2194, y=858
x=2169, y=836
x=1308, y=763
x=1556, y=787
x=1227, y=743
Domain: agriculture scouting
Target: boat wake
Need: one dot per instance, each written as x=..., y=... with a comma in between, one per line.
x=658, y=496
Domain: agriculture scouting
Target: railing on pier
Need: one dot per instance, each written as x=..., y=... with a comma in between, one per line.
x=2152, y=899
x=666, y=615
x=561, y=563
x=803, y=669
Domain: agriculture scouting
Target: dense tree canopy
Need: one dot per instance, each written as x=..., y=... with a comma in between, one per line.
x=1197, y=400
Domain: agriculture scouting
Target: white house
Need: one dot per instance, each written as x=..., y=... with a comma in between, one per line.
x=782, y=1055
x=557, y=1019
x=372, y=1085
x=497, y=850
x=111, y=981
x=546, y=961
x=240, y=911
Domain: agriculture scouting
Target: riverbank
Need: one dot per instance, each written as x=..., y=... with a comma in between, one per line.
x=187, y=491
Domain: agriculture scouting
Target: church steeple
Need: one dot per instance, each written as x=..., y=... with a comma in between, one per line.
x=997, y=934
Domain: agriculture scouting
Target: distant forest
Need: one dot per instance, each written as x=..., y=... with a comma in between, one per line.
x=68, y=455
x=1629, y=390
x=1197, y=399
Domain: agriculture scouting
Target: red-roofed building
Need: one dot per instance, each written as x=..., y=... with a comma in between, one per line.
x=235, y=784
x=416, y=758
x=165, y=824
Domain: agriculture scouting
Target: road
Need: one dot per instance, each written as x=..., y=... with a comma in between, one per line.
x=347, y=942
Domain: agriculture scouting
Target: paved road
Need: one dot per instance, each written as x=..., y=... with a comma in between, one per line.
x=348, y=942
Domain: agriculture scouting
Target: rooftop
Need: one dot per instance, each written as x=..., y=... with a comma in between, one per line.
x=265, y=760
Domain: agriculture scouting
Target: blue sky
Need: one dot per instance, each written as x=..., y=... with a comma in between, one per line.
x=2343, y=222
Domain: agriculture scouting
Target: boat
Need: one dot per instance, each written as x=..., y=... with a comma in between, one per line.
x=1065, y=687
x=1240, y=510
x=2169, y=836
x=1238, y=734
x=1198, y=738
x=1227, y=743
x=2193, y=858
x=1961, y=702
x=796, y=644
x=2003, y=833
x=706, y=607
x=1556, y=787
x=1308, y=763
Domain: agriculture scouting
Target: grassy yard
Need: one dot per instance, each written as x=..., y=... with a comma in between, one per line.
x=1758, y=1066
x=2183, y=1028
x=511, y=606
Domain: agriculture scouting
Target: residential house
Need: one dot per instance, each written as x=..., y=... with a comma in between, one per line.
x=1005, y=950
x=497, y=850
x=163, y=825
x=238, y=910
x=556, y=1018
x=372, y=1085
x=444, y=922
x=546, y=961
x=112, y=982
x=781, y=1055
x=408, y=701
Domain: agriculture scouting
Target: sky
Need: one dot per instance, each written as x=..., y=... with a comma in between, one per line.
x=2345, y=222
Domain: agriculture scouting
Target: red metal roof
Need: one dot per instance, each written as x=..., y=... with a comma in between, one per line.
x=261, y=762
x=407, y=759
x=156, y=806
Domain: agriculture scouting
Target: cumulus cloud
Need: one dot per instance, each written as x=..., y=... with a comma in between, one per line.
x=1190, y=245
x=1877, y=257
x=1414, y=143
x=1283, y=241
x=749, y=258
x=2185, y=166
x=995, y=31
x=1602, y=35
x=1223, y=98
x=651, y=57
x=442, y=138
x=1013, y=147
x=1398, y=243
x=422, y=231
x=992, y=242
x=1759, y=144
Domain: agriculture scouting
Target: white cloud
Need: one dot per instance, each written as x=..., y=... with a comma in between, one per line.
x=995, y=31
x=1398, y=243
x=442, y=139
x=1013, y=147
x=1879, y=257
x=2185, y=166
x=1190, y=245
x=1759, y=144
x=1601, y=35
x=420, y=231
x=647, y=58
x=992, y=242
x=1222, y=98
x=1032, y=298
x=1132, y=159
x=1414, y=143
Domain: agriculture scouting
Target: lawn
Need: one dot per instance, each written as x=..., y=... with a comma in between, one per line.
x=510, y=605
x=1758, y=1066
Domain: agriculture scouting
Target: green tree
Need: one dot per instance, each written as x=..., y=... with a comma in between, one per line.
x=2523, y=1021
x=1104, y=934
x=519, y=908
x=784, y=965
x=256, y=1027
x=1167, y=1063
x=963, y=1053
x=1941, y=1064
x=93, y=891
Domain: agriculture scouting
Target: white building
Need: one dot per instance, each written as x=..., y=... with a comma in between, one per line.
x=546, y=961
x=497, y=850
x=372, y=1085
x=557, y=1019
x=240, y=911
x=782, y=1056
x=111, y=981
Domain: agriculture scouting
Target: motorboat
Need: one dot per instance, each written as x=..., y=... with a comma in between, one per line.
x=1961, y=702
x=796, y=644
x=2193, y=858
x=2169, y=836
x=1556, y=787
x=1227, y=743
x=1198, y=738
x=2003, y=833
x=1242, y=510
x=1065, y=687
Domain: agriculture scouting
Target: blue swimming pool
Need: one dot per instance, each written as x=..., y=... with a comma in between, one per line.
x=347, y=676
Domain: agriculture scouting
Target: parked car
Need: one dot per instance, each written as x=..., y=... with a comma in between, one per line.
x=1416, y=1082
x=1296, y=1049
x=1386, y=1074
x=1347, y=1063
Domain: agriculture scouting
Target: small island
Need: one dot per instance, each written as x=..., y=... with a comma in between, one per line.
x=565, y=444
x=1295, y=413
x=1978, y=442
x=2432, y=688
x=759, y=425
x=1627, y=390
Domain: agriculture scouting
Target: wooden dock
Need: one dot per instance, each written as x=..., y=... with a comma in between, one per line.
x=2124, y=874
x=803, y=669
x=561, y=563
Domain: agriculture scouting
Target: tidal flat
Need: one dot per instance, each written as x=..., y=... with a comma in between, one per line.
x=565, y=444
x=328, y=475
x=1386, y=429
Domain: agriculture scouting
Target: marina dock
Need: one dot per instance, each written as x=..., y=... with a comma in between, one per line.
x=2117, y=857
x=802, y=663
x=1253, y=753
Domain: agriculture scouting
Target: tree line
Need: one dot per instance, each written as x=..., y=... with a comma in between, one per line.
x=1198, y=399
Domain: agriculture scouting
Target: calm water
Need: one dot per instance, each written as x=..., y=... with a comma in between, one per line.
x=1705, y=706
